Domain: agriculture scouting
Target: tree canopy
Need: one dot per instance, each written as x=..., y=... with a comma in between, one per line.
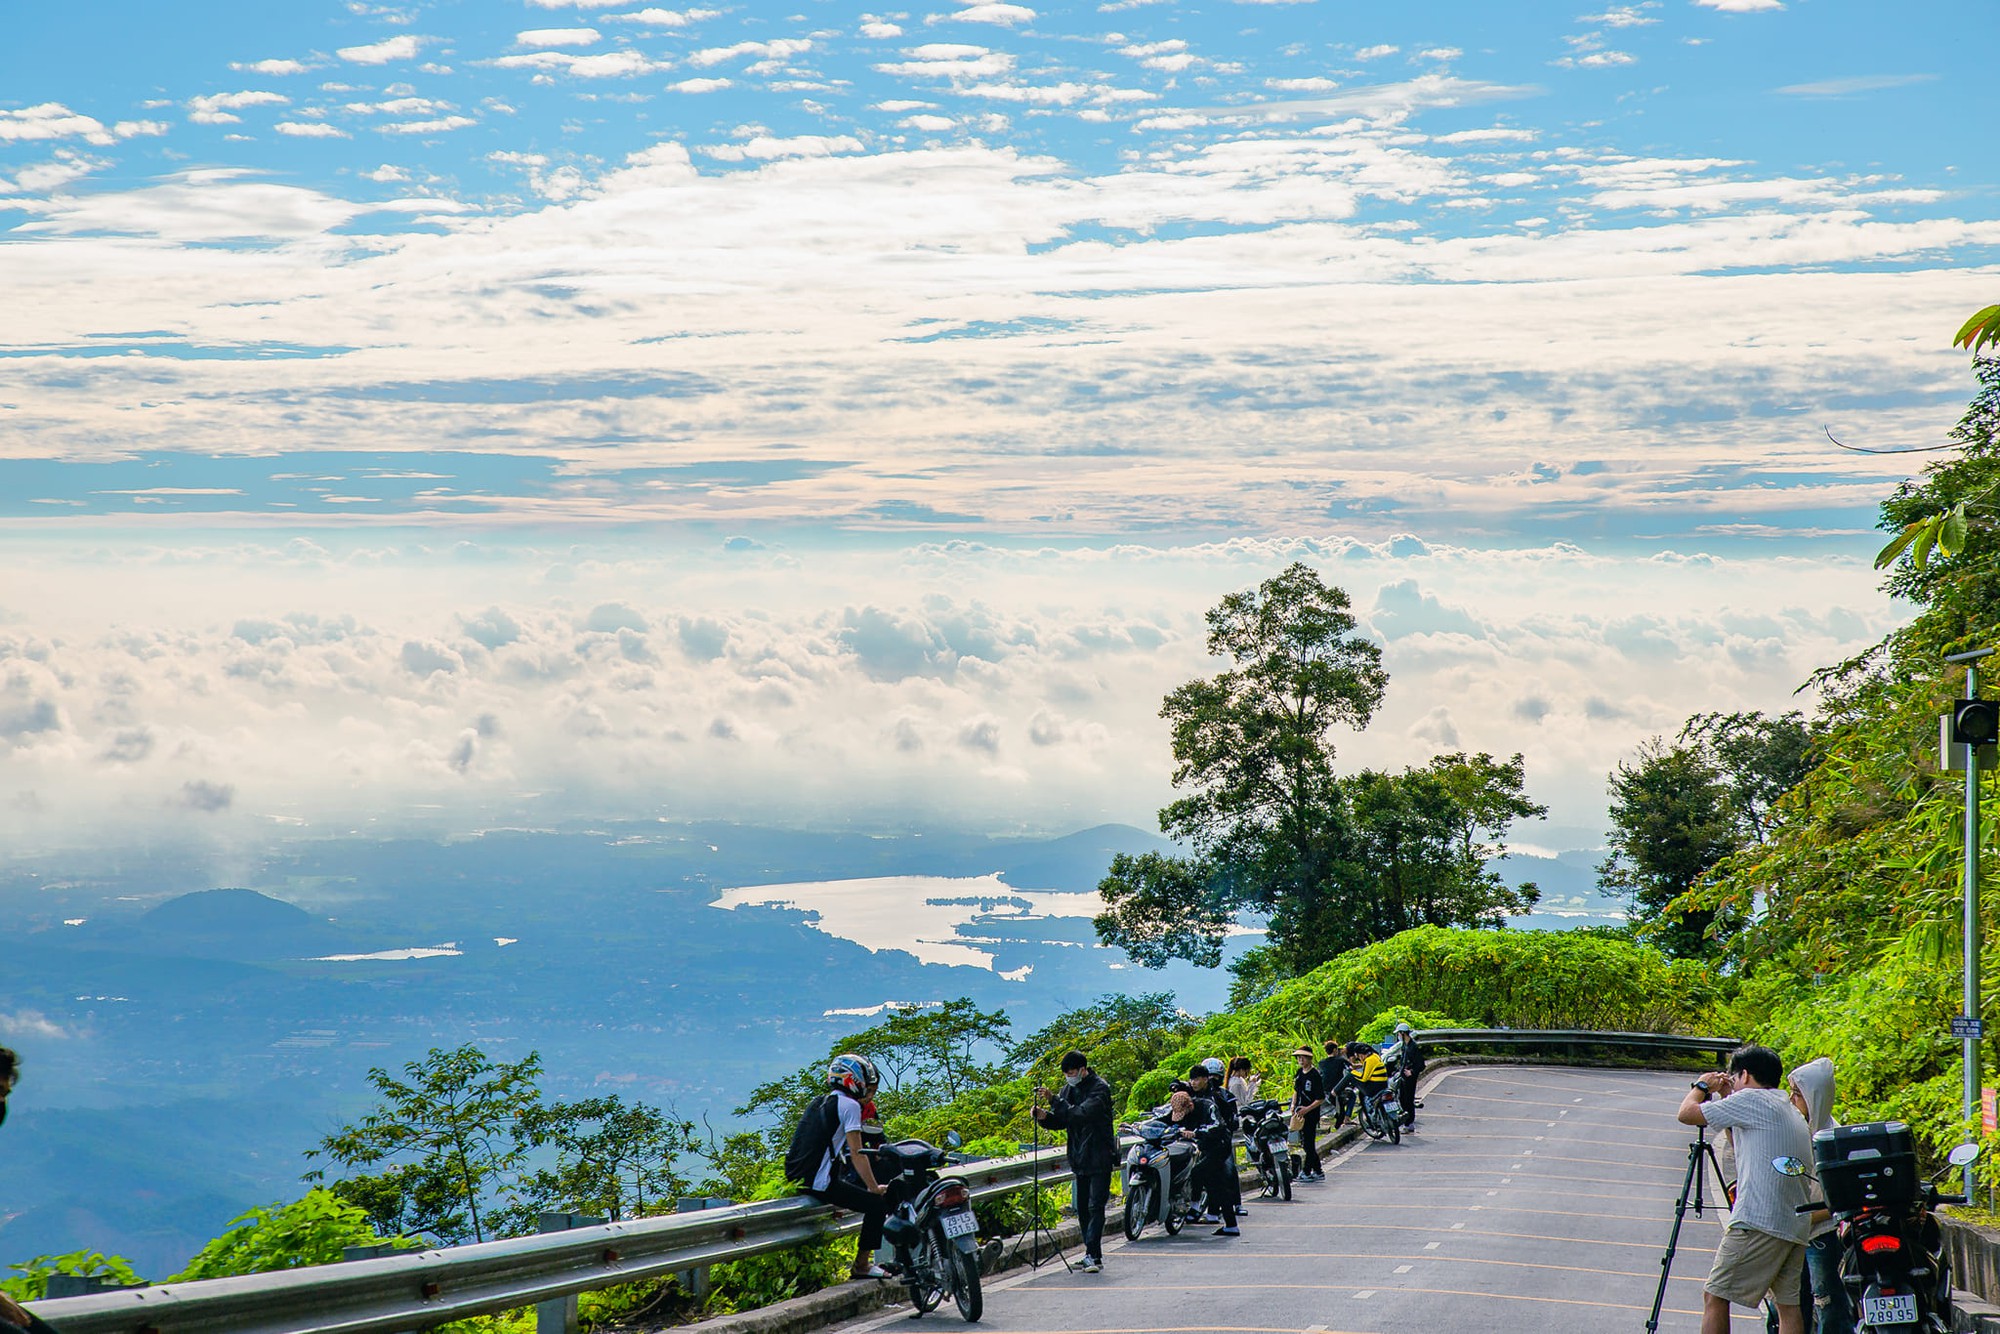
x=1276, y=833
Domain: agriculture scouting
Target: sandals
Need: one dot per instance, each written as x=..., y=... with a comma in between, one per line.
x=872, y=1270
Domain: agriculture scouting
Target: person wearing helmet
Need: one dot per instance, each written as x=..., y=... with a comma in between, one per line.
x=1217, y=1137
x=846, y=1177
x=1409, y=1065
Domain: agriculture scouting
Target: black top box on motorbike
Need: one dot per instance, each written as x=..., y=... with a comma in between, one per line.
x=1868, y=1166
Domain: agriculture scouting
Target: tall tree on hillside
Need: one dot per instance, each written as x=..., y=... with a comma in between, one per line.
x=1328, y=863
x=1671, y=820
x=1253, y=752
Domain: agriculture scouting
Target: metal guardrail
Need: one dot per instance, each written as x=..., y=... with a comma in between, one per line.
x=419, y=1289
x=1576, y=1037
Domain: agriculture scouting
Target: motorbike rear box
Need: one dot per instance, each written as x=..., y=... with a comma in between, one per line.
x=1872, y=1165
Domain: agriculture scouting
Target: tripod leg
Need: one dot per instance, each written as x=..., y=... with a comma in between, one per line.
x=1690, y=1184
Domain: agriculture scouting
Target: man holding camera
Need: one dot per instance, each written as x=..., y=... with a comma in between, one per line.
x=1763, y=1249
x=1083, y=1107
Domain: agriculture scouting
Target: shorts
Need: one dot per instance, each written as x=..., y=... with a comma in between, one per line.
x=1751, y=1265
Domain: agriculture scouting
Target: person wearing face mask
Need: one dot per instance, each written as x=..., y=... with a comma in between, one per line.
x=1083, y=1108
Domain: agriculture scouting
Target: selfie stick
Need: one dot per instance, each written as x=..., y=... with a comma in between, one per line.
x=1691, y=1185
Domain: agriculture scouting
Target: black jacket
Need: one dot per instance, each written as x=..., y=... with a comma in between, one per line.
x=1307, y=1087
x=1084, y=1110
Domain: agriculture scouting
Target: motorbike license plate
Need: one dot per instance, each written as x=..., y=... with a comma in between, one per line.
x=1897, y=1310
x=963, y=1224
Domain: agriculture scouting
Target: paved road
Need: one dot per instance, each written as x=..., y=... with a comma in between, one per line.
x=1528, y=1199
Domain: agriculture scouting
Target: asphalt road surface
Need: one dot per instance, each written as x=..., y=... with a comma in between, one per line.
x=1532, y=1199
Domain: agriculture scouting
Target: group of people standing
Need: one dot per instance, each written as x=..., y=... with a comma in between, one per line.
x=1347, y=1073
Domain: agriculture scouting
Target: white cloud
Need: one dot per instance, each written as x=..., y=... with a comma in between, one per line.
x=1495, y=135
x=1440, y=53
x=272, y=67
x=992, y=11
x=1596, y=60
x=129, y=129
x=387, y=172
x=766, y=148
x=313, y=129
x=1866, y=83
x=700, y=85
x=1376, y=52
x=929, y=124
x=880, y=29
x=404, y=46
x=1741, y=6
x=665, y=18
x=51, y=120
x=608, y=65
x=1624, y=16
x=779, y=48
x=217, y=108
x=558, y=37
x=43, y=177
x=436, y=125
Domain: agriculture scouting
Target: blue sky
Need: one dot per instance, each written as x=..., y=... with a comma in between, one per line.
x=904, y=382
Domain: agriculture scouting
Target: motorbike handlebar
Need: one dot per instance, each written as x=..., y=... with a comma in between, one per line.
x=1951, y=1199
x=1811, y=1208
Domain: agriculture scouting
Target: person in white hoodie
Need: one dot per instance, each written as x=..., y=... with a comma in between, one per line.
x=1811, y=1087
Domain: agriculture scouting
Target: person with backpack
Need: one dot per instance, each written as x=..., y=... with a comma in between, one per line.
x=1217, y=1138
x=1083, y=1108
x=827, y=1156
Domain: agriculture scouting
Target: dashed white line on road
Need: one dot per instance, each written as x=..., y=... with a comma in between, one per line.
x=1364, y=1294
x=1402, y=1269
x=1431, y=1245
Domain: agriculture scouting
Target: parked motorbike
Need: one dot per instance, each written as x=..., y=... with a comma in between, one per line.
x=931, y=1227
x=1161, y=1184
x=1892, y=1255
x=1264, y=1131
x=1382, y=1114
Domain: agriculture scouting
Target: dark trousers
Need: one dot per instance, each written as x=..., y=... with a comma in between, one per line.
x=1092, y=1193
x=874, y=1209
x=1309, y=1138
x=1406, y=1091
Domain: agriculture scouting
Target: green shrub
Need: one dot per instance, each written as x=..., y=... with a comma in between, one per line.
x=313, y=1230
x=33, y=1283
x=1511, y=979
x=1382, y=1025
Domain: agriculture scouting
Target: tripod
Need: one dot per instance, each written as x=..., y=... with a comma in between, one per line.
x=1691, y=1186
x=1036, y=1229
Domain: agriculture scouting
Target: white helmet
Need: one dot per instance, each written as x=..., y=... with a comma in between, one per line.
x=1404, y=1027
x=1214, y=1067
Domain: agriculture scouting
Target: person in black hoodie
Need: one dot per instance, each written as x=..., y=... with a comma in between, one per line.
x=1083, y=1108
x=1217, y=1138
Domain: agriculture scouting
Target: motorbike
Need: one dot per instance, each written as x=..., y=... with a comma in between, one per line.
x=1382, y=1114
x=931, y=1228
x=1393, y=1057
x=1161, y=1184
x=1892, y=1256
x=1264, y=1131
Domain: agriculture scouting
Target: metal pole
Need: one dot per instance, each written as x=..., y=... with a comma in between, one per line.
x=1972, y=1084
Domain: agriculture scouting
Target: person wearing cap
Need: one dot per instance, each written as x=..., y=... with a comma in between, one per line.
x=1410, y=1064
x=1308, y=1095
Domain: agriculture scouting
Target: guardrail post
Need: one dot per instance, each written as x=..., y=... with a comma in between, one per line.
x=694, y=1282
x=558, y=1315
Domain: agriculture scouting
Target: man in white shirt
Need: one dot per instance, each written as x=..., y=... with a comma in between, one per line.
x=1763, y=1250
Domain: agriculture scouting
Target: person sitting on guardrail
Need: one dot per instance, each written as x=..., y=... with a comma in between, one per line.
x=1083, y=1108
x=846, y=1178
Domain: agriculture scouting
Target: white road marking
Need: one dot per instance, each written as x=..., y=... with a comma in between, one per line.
x=1431, y=1245
x=1455, y=1227
x=1364, y=1294
x=1402, y=1269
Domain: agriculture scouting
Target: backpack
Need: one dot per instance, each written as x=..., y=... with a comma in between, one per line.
x=812, y=1139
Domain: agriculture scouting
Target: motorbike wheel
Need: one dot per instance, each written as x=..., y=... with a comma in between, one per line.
x=1176, y=1217
x=1138, y=1204
x=926, y=1262
x=1371, y=1121
x=1395, y=1129
x=962, y=1269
